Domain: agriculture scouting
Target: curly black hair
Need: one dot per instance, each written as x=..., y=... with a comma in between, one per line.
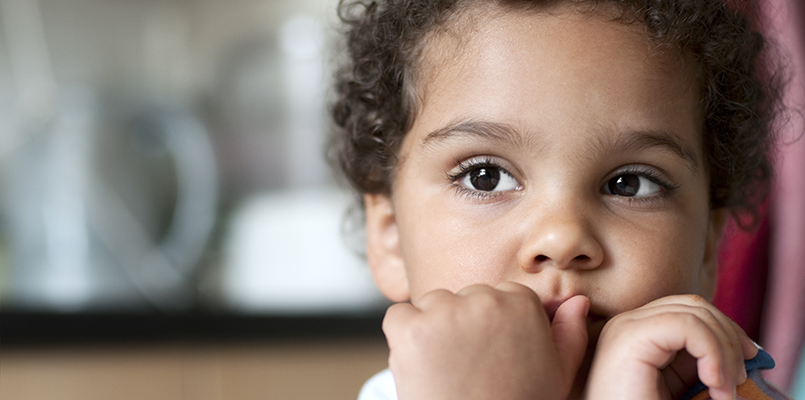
x=741, y=85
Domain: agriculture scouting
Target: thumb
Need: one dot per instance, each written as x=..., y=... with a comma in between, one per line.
x=569, y=332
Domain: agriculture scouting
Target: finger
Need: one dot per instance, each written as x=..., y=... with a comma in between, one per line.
x=749, y=347
x=687, y=299
x=569, y=333
x=472, y=290
x=395, y=324
x=741, y=347
x=732, y=354
x=398, y=316
x=434, y=297
x=524, y=291
x=734, y=342
x=512, y=287
x=715, y=360
x=681, y=374
x=720, y=326
x=727, y=361
x=527, y=293
x=672, y=331
x=723, y=393
x=735, y=347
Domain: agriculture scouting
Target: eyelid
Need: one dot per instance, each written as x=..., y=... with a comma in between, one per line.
x=654, y=174
x=463, y=166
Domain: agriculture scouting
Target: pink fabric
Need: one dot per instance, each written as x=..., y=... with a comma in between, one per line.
x=784, y=315
x=742, y=269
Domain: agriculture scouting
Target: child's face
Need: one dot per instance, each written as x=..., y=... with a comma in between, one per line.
x=557, y=151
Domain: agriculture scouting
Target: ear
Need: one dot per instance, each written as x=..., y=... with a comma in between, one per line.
x=707, y=276
x=383, y=248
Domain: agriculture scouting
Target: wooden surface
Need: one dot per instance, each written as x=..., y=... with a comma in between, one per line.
x=279, y=370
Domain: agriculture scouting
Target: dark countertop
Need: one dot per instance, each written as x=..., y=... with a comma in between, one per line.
x=23, y=329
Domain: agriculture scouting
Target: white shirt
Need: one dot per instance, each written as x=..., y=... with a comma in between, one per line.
x=379, y=387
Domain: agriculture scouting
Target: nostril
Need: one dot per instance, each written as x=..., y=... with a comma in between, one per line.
x=541, y=257
x=581, y=258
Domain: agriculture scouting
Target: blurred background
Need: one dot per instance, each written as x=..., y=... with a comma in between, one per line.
x=167, y=155
x=169, y=228
x=162, y=181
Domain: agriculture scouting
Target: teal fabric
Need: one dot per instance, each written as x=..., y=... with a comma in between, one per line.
x=762, y=360
x=798, y=387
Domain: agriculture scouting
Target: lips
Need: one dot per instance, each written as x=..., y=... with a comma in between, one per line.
x=551, y=306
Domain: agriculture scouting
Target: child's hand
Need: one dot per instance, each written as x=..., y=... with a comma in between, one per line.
x=658, y=350
x=485, y=343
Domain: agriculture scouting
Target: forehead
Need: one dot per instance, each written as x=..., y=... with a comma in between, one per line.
x=530, y=67
x=470, y=23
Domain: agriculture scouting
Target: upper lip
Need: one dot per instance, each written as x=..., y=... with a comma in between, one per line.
x=551, y=305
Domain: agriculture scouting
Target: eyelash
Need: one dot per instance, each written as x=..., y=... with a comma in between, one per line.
x=465, y=167
x=668, y=188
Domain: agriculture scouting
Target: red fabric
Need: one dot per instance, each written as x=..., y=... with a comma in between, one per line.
x=769, y=264
x=742, y=269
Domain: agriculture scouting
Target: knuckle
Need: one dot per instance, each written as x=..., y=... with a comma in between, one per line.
x=689, y=320
x=421, y=333
x=487, y=302
x=695, y=298
x=392, y=319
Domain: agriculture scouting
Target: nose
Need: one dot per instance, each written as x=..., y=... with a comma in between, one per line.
x=561, y=238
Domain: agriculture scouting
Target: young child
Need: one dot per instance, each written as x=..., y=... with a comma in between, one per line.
x=546, y=182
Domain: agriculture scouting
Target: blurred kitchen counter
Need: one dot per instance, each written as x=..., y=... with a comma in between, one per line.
x=278, y=369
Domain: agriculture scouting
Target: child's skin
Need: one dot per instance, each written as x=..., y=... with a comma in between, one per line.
x=511, y=216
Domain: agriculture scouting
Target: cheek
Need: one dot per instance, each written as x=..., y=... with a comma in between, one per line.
x=656, y=260
x=443, y=249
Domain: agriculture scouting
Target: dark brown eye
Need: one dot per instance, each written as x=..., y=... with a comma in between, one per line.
x=624, y=185
x=631, y=185
x=485, y=179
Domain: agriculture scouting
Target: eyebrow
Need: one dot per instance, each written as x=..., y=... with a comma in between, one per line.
x=631, y=140
x=634, y=140
x=484, y=130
